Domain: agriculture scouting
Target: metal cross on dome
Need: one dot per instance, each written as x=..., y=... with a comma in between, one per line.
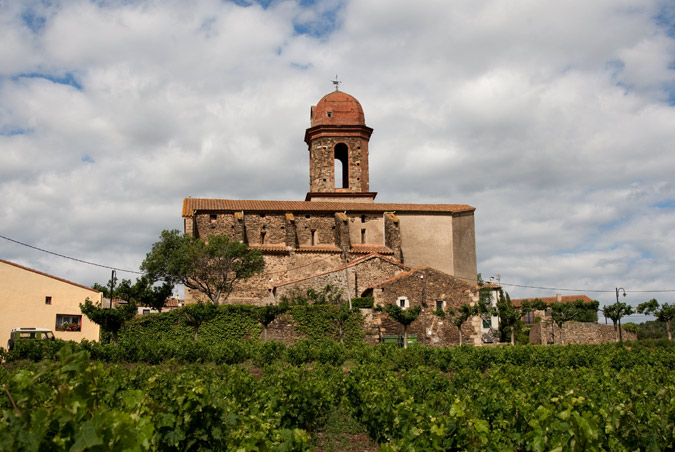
x=336, y=82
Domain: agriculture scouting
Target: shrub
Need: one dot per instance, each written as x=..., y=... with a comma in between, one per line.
x=363, y=302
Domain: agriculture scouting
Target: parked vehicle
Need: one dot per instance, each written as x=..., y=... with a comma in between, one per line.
x=40, y=334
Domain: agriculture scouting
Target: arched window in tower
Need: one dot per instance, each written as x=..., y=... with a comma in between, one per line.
x=341, y=166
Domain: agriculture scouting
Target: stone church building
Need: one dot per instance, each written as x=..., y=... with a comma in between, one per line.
x=338, y=234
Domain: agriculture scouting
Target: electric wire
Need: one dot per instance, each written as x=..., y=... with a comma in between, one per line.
x=71, y=258
x=561, y=289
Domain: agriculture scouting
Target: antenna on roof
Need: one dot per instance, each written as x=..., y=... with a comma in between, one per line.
x=336, y=82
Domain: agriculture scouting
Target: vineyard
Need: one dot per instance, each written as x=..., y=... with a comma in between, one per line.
x=256, y=396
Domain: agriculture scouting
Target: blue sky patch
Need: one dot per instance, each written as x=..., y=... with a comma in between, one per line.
x=33, y=21
x=88, y=159
x=264, y=3
x=66, y=79
x=302, y=67
x=666, y=204
x=666, y=17
x=13, y=131
x=324, y=24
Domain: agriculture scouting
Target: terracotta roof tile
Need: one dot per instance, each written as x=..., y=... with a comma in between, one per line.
x=400, y=275
x=280, y=247
x=192, y=204
x=318, y=249
x=362, y=248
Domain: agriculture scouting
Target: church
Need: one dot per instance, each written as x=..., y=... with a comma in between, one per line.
x=338, y=234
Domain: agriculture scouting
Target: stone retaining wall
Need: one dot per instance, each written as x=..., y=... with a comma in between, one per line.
x=576, y=333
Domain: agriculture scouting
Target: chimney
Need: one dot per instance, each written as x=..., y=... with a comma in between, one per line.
x=558, y=297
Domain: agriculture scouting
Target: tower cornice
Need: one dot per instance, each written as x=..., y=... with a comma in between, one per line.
x=337, y=131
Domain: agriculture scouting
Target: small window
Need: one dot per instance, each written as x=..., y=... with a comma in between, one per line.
x=262, y=237
x=529, y=318
x=439, y=305
x=307, y=216
x=262, y=215
x=314, y=240
x=329, y=113
x=68, y=322
x=48, y=300
x=213, y=218
x=403, y=302
x=363, y=218
x=146, y=311
x=363, y=236
x=486, y=324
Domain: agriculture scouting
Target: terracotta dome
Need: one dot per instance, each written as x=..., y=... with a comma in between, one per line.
x=337, y=108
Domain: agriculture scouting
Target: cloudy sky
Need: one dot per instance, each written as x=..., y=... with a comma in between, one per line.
x=556, y=120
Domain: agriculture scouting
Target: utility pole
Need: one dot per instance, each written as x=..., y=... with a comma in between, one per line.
x=113, y=280
x=344, y=256
x=618, y=289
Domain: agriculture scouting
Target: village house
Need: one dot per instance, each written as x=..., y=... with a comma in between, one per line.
x=33, y=299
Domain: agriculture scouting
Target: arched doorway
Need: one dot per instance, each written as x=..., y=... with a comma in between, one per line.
x=341, y=154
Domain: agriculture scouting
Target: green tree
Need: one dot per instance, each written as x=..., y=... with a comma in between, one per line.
x=510, y=316
x=266, y=314
x=663, y=313
x=123, y=290
x=329, y=294
x=340, y=317
x=616, y=312
x=562, y=313
x=197, y=313
x=111, y=320
x=403, y=316
x=460, y=315
x=144, y=293
x=211, y=267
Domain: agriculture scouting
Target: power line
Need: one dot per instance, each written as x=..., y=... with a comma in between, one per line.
x=562, y=289
x=585, y=290
x=71, y=258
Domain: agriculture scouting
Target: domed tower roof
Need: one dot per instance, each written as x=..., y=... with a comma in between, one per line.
x=337, y=108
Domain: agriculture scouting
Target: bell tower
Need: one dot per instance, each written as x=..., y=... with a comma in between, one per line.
x=338, y=150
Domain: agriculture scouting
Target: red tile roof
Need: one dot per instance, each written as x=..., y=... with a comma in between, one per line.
x=192, y=204
x=276, y=247
x=414, y=270
x=400, y=275
x=549, y=300
x=362, y=248
x=317, y=249
x=48, y=275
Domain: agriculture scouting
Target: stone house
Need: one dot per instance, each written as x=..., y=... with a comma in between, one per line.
x=431, y=289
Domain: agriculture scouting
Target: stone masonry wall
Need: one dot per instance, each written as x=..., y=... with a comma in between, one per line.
x=360, y=276
x=434, y=286
x=377, y=325
x=576, y=333
x=392, y=235
x=322, y=163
